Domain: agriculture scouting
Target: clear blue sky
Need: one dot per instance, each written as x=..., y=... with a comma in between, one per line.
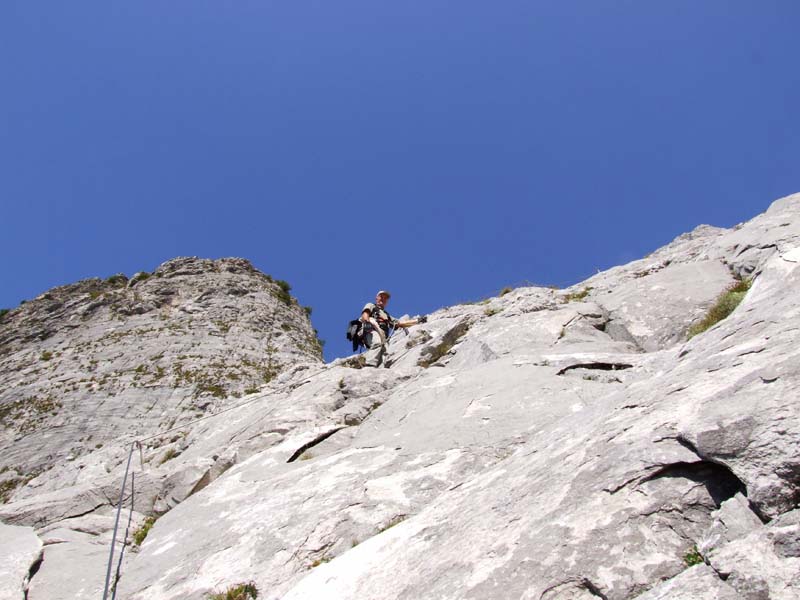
x=438, y=149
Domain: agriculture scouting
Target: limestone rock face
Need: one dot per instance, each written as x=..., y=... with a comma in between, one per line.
x=83, y=364
x=87, y=368
x=546, y=444
x=20, y=552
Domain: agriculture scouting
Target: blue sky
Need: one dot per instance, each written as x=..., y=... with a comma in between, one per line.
x=442, y=150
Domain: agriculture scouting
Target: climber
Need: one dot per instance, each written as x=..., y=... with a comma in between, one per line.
x=376, y=323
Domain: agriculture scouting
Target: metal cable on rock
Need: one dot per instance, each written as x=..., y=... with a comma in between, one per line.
x=125, y=538
x=138, y=444
x=116, y=520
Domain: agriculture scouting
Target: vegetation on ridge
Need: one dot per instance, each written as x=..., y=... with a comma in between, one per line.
x=241, y=591
x=578, y=296
x=282, y=293
x=724, y=306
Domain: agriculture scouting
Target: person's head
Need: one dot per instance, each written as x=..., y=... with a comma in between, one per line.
x=382, y=298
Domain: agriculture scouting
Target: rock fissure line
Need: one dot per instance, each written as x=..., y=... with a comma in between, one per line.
x=317, y=440
x=601, y=366
x=65, y=516
x=594, y=590
x=32, y=571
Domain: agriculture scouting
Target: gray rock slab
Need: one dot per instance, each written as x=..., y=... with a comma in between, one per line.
x=83, y=561
x=763, y=564
x=523, y=526
x=697, y=583
x=657, y=309
x=749, y=246
x=298, y=516
x=733, y=520
x=20, y=550
x=499, y=403
x=741, y=418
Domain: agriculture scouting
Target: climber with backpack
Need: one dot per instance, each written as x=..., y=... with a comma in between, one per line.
x=373, y=329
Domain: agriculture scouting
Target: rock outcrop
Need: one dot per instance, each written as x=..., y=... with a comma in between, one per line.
x=548, y=444
x=87, y=366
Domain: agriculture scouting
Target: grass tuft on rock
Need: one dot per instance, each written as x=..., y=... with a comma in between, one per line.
x=392, y=522
x=433, y=353
x=577, y=296
x=724, y=306
x=140, y=534
x=693, y=557
x=7, y=487
x=240, y=591
x=118, y=280
x=283, y=290
x=320, y=561
x=168, y=455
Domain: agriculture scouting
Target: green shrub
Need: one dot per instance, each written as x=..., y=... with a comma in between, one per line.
x=269, y=373
x=118, y=280
x=308, y=310
x=282, y=293
x=505, y=290
x=693, y=557
x=240, y=591
x=577, y=296
x=432, y=354
x=141, y=533
x=489, y=312
x=168, y=455
x=7, y=487
x=320, y=561
x=392, y=522
x=724, y=306
x=3, y=313
x=46, y=355
x=214, y=389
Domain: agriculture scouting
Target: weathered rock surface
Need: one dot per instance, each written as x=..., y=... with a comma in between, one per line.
x=20, y=552
x=87, y=368
x=83, y=364
x=765, y=563
x=556, y=445
x=700, y=582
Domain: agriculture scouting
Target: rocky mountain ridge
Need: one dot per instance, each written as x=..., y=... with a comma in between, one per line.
x=549, y=444
x=82, y=364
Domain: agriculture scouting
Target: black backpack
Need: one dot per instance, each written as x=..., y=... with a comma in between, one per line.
x=358, y=329
x=355, y=333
